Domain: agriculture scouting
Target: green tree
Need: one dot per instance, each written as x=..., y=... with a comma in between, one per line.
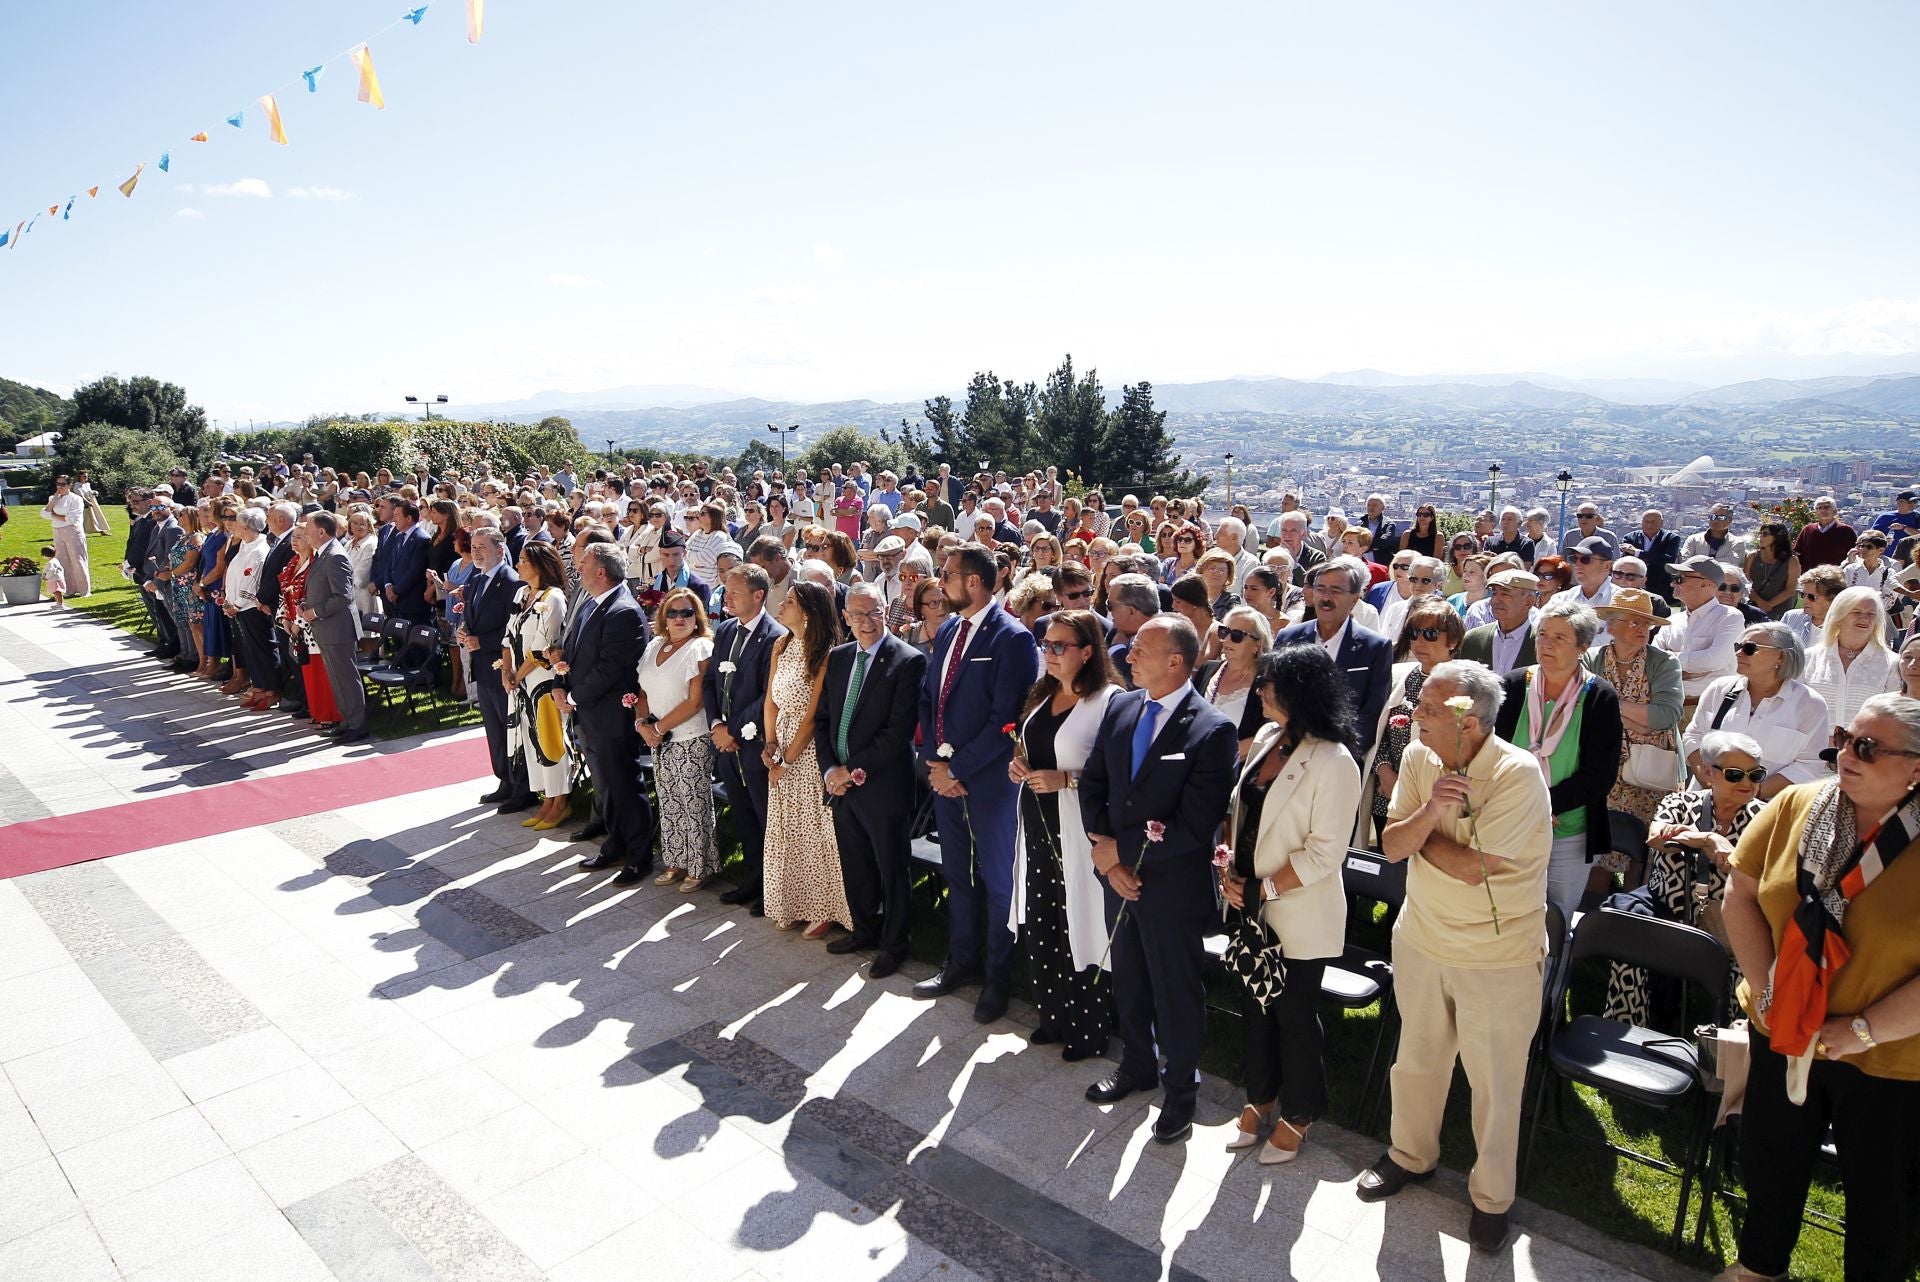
x=849, y=445
x=999, y=424
x=146, y=404
x=950, y=443
x=757, y=455
x=1136, y=451
x=116, y=457
x=1072, y=419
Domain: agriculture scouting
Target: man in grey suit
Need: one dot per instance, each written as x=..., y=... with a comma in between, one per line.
x=1507, y=642
x=328, y=613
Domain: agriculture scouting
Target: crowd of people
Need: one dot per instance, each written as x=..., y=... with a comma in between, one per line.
x=1132, y=727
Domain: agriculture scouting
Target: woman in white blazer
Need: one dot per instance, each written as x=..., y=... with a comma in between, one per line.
x=1291, y=815
x=1058, y=899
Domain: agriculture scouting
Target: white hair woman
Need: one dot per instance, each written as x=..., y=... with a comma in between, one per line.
x=1851, y=659
x=1766, y=699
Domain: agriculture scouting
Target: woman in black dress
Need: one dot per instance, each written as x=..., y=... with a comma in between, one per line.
x=1057, y=894
x=1423, y=536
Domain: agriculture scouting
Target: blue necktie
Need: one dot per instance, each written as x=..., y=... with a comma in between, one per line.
x=1143, y=735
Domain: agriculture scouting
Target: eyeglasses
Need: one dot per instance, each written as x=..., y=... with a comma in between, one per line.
x=868, y=615
x=1867, y=750
x=1426, y=634
x=1057, y=648
x=1751, y=648
x=1721, y=516
x=1235, y=635
x=1736, y=775
x=685, y=612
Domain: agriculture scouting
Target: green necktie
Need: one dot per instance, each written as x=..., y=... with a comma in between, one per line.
x=853, y=699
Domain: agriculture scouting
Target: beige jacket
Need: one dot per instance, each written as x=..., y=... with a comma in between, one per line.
x=1305, y=822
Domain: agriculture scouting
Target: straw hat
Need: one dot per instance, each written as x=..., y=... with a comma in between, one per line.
x=1630, y=603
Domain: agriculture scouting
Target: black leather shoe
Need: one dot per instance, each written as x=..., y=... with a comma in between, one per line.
x=351, y=736
x=1385, y=1178
x=514, y=805
x=992, y=1004
x=599, y=861
x=183, y=665
x=882, y=966
x=946, y=981
x=1043, y=1036
x=849, y=944
x=631, y=876
x=1174, y=1124
x=758, y=908
x=740, y=895
x=588, y=833
x=1116, y=1086
x=495, y=797
x=1487, y=1229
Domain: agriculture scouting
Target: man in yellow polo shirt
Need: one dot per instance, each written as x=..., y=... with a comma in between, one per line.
x=1471, y=813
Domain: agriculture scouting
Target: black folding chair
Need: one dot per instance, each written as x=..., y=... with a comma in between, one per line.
x=389, y=633
x=1659, y=1070
x=412, y=666
x=1363, y=976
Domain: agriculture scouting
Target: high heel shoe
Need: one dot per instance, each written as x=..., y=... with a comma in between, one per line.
x=1284, y=1144
x=1253, y=1125
x=818, y=931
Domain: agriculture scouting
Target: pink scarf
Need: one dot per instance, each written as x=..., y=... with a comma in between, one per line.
x=1546, y=732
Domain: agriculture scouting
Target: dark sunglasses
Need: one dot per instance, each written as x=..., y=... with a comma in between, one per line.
x=1057, y=648
x=1235, y=635
x=1732, y=589
x=1585, y=558
x=1426, y=634
x=1867, y=750
x=1736, y=775
x=1081, y=595
x=684, y=612
x=1751, y=648
x=1628, y=575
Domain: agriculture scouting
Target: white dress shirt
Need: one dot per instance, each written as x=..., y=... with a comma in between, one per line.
x=1168, y=706
x=959, y=652
x=242, y=584
x=1333, y=643
x=1703, y=641
x=1791, y=727
x=1604, y=596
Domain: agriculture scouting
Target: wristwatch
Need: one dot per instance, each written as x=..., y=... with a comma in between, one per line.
x=1073, y=778
x=1863, y=1031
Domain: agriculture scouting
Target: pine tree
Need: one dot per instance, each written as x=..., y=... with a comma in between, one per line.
x=998, y=423
x=1136, y=453
x=1072, y=419
x=949, y=440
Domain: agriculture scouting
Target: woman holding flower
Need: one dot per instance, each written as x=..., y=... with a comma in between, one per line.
x=535, y=725
x=1057, y=896
x=1287, y=829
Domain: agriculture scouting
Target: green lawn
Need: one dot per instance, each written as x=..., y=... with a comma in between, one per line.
x=116, y=601
x=1617, y=1196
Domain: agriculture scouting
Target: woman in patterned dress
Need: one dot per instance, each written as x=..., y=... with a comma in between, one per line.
x=1648, y=683
x=803, y=882
x=673, y=721
x=538, y=624
x=1057, y=895
x=1691, y=842
x=1430, y=634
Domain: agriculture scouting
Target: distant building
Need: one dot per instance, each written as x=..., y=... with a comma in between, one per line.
x=41, y=446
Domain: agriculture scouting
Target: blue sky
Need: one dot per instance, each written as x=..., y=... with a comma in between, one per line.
x=834, y=200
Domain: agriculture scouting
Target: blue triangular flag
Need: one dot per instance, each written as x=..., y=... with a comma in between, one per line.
x=165, y=156
x=414, y=15
x=237, y=119
x=67, y=213
x=313, y=77
x=5, y=236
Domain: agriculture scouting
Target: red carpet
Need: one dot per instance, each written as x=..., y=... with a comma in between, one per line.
x=40, y=844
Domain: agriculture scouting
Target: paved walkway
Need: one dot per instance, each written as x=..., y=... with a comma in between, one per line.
x=407, y=1039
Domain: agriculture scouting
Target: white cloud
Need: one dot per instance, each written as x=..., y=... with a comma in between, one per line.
x=319, y=193
x=192, y=215
x=570, y=280
x=828, y=254
x=254, y=187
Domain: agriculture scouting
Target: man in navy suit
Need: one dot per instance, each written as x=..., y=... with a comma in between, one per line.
x=734, y=690
x=380, y=573
x=405, y=587
x=984, y=663
x=1364, y=657
x=1163, y=756
x=864, y=723
x=488, y=595
x=604, y=642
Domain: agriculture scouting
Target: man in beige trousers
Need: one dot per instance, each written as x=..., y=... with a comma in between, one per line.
x=1471, y=814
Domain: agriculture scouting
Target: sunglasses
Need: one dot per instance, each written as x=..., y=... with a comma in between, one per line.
x=1731, y=589
x=1626, y=576
x=1081, y=595
x=1235, y=635
x=1736, y=775
x=1426, y=634
x=685, y=612
x=1751, y=648
x=1420, y=578
x=1057, y=648
x=1585, y=558
x=1867, y=750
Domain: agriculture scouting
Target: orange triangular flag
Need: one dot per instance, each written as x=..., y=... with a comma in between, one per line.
x=199, y=137
x=53, y=209
x=93, y=191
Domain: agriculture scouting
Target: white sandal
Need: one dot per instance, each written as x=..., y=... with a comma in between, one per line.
x=1253, y=1124
x=1284, y=1144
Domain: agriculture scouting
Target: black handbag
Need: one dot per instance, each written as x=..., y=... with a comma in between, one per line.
x=1253, y=955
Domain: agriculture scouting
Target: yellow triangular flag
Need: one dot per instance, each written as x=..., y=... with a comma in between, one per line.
x=199, y=137
x=369, y=82
x=126, y=188
x=476, y=20
x=274, y=129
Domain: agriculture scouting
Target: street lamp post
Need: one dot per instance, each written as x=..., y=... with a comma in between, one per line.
x=611, y=461
x=783, y=433
x=1563, y=483
x=1229, y=479
x=1493, y=485
x=438, y=400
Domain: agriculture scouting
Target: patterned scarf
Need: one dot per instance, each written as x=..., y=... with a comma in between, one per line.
x=1546, y=732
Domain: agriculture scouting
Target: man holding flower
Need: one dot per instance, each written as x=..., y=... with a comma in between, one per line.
x=1472, y=815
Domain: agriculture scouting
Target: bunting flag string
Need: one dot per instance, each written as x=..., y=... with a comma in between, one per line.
x=369, y=82
x=368, y=90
